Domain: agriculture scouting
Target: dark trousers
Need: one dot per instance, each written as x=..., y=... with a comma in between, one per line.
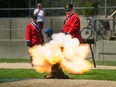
x=40, y=24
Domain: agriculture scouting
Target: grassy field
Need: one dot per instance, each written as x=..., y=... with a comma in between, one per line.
x=2, y=60
x=95, y=74
x=19, y=74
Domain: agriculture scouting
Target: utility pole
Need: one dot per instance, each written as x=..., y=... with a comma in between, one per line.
x=105, y=8
x=72, y=1
x=29, y=8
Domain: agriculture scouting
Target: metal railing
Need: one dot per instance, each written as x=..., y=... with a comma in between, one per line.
x=113, y=16
x=56, y=8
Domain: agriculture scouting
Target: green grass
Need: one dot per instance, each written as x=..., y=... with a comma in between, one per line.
x=97, y=75
x=107, y=63
x=94, y=74
x=19, y=74
x=2, y=60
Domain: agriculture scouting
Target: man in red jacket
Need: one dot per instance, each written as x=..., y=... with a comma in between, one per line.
x=33, y=34
x=72, y=23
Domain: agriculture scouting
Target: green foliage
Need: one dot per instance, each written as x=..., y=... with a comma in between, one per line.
x=88, y=11
x=50, y=4
x=55, y=12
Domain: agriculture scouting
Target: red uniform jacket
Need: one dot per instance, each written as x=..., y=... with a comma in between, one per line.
x=34, y=34
x=72, y=26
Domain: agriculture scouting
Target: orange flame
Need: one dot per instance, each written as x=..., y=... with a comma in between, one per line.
x=62, y=49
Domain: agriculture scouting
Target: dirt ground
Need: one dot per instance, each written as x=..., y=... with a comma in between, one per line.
x=28, y=66
x=59, y=83
x=54, y=82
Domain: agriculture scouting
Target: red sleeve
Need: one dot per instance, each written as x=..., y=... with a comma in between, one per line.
x=75, y=24
x=28, y=33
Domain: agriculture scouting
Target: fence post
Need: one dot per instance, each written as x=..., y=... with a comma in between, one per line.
x=105, y=8
x=10, y=31
x=114, y=25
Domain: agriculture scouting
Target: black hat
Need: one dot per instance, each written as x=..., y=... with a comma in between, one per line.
x=68, y=7
x=34, y=17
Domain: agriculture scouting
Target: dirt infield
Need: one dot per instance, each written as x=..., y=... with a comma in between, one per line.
x=16, y=65
x=58, y=83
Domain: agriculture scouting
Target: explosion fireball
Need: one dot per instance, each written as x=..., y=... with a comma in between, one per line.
x=62, y=50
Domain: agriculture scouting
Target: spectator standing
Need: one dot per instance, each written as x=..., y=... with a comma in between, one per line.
x=39, y=12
